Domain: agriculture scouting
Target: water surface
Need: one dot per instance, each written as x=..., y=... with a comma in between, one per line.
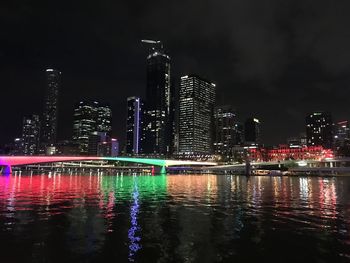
x=174, y=218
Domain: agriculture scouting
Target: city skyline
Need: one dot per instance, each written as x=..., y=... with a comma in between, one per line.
x=105, y=62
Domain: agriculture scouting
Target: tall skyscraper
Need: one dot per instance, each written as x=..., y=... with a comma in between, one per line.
x=224, y=130
x=30, y=135
x=252, y=131
x=49, y=119
x=134, y=125
x=158, y=122
x=196, y=105
x=90, y=117
x=319, y=129
x=85, y=117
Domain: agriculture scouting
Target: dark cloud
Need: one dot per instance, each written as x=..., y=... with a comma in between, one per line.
x=274, y=59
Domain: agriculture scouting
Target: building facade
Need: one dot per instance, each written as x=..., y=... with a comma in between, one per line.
x=319, y=129
x=196, y=106
x=252, y=131
x=50, y=114
x=224, y=130
x=158, y=121
x=341, y=133
x=101, y=144
x=90, y=117
x=134, y=125
x=30, y=135
x=104, y=119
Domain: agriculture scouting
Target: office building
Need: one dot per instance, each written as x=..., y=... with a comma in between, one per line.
x=101, y=144
x=30, y=135
x=134, y=125
x=158, y=120
x=104, y=118
x=50, y=114
x=239, y=134
x=224, y=130
x=85, y=123
x=90, y=117
x=319, y=129
x=196, y=105
x=341, y=133
x=252, y=131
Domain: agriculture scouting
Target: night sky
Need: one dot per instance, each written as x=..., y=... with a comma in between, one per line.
x=274, y=59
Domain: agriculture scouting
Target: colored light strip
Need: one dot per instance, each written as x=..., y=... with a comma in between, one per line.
x=26, y=160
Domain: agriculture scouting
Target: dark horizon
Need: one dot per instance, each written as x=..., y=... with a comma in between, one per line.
x=276, y=61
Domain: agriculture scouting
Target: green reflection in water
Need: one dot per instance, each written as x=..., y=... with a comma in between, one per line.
x=148, y=186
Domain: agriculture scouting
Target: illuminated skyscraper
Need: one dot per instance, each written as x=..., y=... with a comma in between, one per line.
x=85, y=123
x=30, y=135
x=158, y=121
x=90, y=117
x=134, y=125
x=252, y=131
x=224, y=130
x=196, y=105
x=49, y=119
x=104, y=119
x=319, y=129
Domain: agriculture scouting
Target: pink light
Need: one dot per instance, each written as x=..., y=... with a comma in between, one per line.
x=25, y=160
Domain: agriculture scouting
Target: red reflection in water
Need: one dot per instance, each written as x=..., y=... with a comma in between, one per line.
x=47, y=190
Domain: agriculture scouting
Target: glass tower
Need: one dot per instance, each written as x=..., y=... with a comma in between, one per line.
x=224, y=132
x=49, y=119
x=196, y=105
x=158, y=121
x=90, y=117
x=252, y=131
x=30, y=135
x=134, y=125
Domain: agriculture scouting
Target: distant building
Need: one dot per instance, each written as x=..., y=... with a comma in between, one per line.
x=49, y=119
x=239, y=134
x=90, y=117
x=341, y=133
x=30, y=135
x=14, y=148
x=17, y=147
x=224, y=130
x=134, y=125
x=286, y=152
x=67, y=148
x=319, y=129
x=303, y=139
x=196, y=105
x=109, y=148
x=100, y=144
x=158, y=117
x=104, y=119
x=85, y=116
x=252, y=131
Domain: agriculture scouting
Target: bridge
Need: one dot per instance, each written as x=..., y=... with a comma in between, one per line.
x=329, y=165
x=7, y=162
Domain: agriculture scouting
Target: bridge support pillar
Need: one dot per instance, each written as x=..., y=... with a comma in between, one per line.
x=6, y=170
x=159, y=170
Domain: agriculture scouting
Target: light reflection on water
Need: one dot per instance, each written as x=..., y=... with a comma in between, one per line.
x=174, y=218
